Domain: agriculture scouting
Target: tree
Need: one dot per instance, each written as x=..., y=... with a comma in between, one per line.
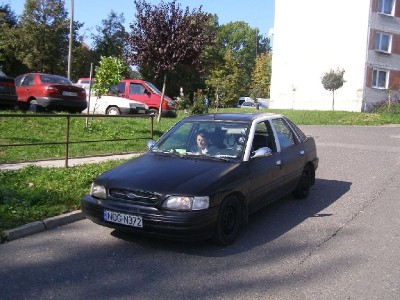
x=244, y=43
x=226, y=80
x=44, y=36
x=261, y=79
x=8, y=24
x=332, y=81
x=164, y=36
x=111, y=36
x=109, y=72
x=82, y=58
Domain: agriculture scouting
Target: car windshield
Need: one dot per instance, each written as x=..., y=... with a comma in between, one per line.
x=2, y=74
x=153, y=88
x=207, y=139
x=54, y=79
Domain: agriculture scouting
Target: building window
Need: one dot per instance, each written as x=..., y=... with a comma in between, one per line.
x=383, y=42
x=379, y=78
x=386, y=7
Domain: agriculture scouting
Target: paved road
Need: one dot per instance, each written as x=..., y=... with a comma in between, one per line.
x=342, y=242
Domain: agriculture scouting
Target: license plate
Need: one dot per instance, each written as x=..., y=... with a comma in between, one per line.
x=141, y=111
x=120, y=218
x=69, y=93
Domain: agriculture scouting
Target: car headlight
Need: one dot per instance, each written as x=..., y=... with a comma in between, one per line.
x=186, y=203
x=98, y=191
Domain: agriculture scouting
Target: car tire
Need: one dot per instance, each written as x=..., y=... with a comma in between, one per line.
x=113, y=110
x=228, y=222
x=304, y=185
x=33, y=106
x=153, y=111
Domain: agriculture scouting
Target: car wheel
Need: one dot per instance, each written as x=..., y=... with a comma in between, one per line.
x=153, y=111
x=228, y=222
x=303, y=187
x=34, y=106
x=113, y=111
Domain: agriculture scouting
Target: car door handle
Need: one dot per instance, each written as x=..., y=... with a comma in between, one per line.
x=302, y=152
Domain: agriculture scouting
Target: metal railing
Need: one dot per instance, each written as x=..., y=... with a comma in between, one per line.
x=67, y=141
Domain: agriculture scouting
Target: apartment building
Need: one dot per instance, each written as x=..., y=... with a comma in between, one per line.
x=311, y=37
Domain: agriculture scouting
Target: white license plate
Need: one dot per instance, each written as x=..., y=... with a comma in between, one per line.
x=69, y=93
x=120, y=218
x=141, y=111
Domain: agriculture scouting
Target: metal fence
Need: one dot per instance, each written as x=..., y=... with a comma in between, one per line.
x=67, y=142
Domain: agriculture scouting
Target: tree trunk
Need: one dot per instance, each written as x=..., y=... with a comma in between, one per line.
x=333, y=100
x=162, y=98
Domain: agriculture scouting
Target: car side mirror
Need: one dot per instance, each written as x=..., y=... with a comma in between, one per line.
x=150, y=144
x=263, y=151
x=147, y=92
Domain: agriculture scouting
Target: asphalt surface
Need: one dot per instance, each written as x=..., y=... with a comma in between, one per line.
x=342, y=242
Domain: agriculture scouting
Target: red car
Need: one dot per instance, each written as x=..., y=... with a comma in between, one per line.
x=147, y=93
x=38, y=91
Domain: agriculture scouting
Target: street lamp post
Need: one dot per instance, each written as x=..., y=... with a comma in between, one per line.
x=71, y=23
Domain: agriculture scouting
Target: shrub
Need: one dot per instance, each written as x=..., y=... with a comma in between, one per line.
x=199, y=105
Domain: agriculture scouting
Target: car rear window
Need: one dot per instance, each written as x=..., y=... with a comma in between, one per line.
x=54, y=79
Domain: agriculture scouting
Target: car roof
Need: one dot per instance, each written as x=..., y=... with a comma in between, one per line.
x=232, y=117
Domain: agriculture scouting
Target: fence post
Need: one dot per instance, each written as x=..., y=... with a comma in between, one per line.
x=67, y=143
x=152, y=126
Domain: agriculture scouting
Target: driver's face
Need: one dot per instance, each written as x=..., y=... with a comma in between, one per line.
x=201, y=142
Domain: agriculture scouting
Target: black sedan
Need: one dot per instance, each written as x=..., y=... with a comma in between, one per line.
x=8, y=94
x=205, y=176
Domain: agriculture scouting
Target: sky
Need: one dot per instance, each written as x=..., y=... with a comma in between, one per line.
x=257, y=13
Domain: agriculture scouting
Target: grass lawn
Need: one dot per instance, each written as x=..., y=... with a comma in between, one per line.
x=35, y=193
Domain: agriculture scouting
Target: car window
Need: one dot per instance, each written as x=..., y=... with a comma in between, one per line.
x=121, y=87
x=224, y=140
x=136, y=89
x=54, y=79
x=297, y=130
x=263, y=137
x=154, y=89
x=285, y=135
x=27, y=81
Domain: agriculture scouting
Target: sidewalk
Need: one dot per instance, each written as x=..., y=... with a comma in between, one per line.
x=60, y=163
x=49, y=223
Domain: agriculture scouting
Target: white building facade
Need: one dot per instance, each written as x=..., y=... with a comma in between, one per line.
x=312, y=37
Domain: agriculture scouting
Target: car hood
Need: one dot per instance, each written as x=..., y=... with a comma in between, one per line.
x=166, y=175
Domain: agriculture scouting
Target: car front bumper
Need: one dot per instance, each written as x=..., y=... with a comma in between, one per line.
x=181, y=226
x=133, y=110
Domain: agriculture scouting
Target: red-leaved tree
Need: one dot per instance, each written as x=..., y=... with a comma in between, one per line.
x=165, y=35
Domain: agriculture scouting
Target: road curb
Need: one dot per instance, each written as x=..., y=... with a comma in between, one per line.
x=40, y=226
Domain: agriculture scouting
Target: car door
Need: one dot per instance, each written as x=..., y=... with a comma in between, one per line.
x=266, y=172
x=292, y=153
x=138, y=92
x=24, y=87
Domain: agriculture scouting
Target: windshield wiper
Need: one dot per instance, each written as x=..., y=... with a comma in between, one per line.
x=159, y=151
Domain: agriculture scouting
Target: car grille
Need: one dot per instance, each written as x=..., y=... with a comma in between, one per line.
x=135, y=196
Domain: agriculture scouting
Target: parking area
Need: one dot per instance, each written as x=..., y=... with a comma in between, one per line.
x=340, y=243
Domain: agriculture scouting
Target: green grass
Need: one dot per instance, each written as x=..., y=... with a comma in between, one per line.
x=35, y=193
x=33, y=130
